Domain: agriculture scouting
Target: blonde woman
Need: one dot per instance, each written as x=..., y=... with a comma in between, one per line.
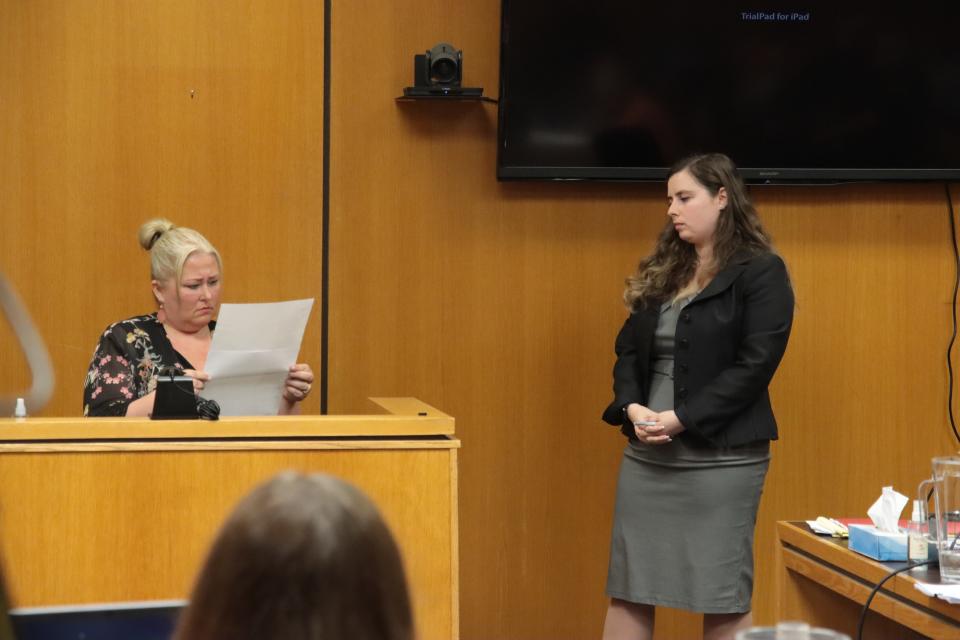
x=186, y=283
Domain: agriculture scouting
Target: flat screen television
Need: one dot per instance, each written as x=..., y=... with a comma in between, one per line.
x=792, y=91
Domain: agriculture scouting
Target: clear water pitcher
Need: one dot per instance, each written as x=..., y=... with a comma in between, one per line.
x=944, y=530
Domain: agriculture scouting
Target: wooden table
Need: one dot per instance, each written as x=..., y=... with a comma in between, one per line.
x=114, y=509
x=824, y=583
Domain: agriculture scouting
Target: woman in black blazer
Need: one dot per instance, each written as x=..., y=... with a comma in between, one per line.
x=711, y=312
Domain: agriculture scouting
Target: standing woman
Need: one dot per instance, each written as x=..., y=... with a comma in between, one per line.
x=710, y=315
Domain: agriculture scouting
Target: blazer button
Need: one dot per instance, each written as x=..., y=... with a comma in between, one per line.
x=686, y=317
x=683, y=368
x=684, y=343
x=682, y=393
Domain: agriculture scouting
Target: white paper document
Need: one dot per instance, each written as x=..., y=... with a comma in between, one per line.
x=252, y=349
x=948, y=592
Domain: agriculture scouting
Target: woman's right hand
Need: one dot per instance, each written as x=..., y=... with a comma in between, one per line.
x=199, y=379
x=638, y=413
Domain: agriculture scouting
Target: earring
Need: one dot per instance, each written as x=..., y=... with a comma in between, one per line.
x=161, y=304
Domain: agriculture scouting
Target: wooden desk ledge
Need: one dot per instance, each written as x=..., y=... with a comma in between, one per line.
x=407, y=417
x=829, y=563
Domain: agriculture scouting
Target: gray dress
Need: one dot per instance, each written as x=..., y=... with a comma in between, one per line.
x=684, y=515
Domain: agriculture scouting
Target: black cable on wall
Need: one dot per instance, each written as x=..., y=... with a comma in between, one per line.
x=953, y=309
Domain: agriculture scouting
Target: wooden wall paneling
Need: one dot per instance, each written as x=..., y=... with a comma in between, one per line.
x=861, y=394
x=499, y=302
x=103, y=521
x=206, y=113
x=482, y=296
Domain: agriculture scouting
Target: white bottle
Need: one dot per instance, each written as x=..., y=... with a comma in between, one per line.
x=21, y=409
x=917, y=537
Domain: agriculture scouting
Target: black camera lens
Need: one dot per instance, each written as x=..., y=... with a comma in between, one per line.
x=443, y=71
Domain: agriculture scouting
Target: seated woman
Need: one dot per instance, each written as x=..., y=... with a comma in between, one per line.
x=301, y=558
x=185, y=270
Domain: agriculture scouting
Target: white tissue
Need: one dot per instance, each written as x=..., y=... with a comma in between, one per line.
x=885, y=512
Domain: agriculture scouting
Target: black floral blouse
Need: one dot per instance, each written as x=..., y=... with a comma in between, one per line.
x=126, y=364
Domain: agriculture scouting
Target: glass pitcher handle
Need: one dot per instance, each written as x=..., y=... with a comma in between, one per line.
x=923, y=495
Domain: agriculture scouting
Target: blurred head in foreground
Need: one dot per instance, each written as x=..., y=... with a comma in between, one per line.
x=302, y=557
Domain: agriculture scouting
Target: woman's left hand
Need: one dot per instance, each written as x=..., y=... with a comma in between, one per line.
x=298, y=384
x=668, y=425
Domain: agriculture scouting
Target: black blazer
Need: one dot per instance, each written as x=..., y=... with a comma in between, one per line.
x=730, y=339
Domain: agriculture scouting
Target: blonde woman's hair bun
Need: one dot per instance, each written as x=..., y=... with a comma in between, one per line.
x=151, y=230
x=170, y=246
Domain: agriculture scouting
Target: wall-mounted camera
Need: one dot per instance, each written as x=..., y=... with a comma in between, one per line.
x=441, y=66
x=439, y=72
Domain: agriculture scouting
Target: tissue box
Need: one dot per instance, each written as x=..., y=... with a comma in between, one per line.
x=876, y=544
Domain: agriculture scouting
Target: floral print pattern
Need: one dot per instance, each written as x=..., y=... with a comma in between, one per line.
x=125, y=365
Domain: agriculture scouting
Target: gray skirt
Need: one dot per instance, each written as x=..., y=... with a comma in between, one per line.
x=683, y=536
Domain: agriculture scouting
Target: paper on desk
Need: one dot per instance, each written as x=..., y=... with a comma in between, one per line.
x=948, y=592
x=817, y=528
x=252, y=349
x=828, y=527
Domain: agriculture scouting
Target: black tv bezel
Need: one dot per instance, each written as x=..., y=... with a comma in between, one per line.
x=753, y=175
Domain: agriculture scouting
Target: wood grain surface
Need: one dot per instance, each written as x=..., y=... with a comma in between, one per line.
x=206, y=113
x=88, y=524
x=497, y=302
x=826, y=584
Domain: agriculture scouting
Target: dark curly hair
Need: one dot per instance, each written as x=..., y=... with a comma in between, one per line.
x=674, y=261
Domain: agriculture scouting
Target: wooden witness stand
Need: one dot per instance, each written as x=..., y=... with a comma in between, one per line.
x=825, y=584
x=118, y=509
